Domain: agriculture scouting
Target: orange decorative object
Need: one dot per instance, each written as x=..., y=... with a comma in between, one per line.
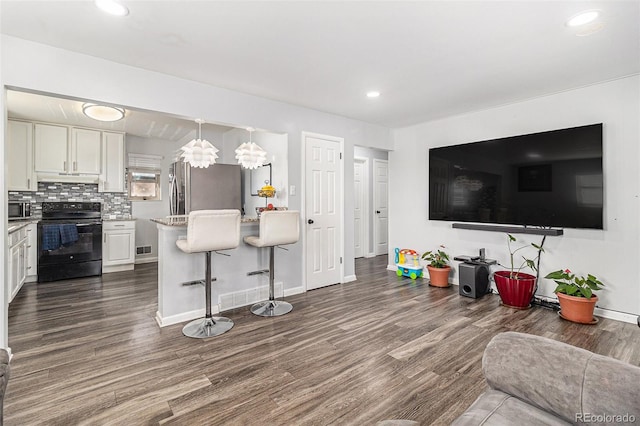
x=577, y=309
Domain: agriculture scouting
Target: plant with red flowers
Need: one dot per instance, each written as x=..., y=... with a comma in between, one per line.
x=570, y=284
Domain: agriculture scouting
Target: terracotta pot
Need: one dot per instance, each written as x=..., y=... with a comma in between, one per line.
x=577, y=309
x=515, y=292
x=439, y=277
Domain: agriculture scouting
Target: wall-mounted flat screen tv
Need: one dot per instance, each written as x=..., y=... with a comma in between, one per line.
x=550, y=179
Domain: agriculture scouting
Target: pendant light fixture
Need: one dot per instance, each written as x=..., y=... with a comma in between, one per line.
x=199, y=152
x=250, y=155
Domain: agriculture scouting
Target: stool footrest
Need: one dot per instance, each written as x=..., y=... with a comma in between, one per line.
x=196, y=282
x=258, y=272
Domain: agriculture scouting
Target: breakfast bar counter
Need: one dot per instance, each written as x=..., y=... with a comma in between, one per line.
x=232, y=287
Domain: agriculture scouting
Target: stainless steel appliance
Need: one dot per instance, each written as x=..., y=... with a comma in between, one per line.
x=216, y=187
x=18, y=211
x=69, y=241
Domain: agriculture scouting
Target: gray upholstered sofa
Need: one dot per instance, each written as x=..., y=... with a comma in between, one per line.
x=534, y=380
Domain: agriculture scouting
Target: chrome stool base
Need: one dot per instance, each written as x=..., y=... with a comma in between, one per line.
x=271, y=308
x=207, y=327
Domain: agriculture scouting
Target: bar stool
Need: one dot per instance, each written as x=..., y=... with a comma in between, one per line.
x=207, y=231
x=276, y=228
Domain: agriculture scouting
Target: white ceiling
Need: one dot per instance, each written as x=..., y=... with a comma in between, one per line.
x=145, y=124
x=429, y=59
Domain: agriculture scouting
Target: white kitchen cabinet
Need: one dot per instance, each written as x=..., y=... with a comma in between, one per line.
x=32, y=253
x=51, y=148
x=112, y=176
x=85, y=151
x=55, y=152
x=20, y=176
x=17, y=265
x=118, y=245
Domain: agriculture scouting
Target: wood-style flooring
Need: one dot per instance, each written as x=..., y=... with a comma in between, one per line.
x=89, y=351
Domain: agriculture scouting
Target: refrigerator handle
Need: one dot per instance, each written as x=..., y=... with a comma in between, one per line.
x=172, y=195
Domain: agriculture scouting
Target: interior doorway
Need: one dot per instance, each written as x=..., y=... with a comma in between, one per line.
x=361, y=207
x=381, y=206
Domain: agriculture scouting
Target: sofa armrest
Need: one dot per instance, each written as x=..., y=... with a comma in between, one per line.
x=560, y=378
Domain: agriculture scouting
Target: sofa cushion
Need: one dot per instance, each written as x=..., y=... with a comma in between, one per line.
x=498, y=408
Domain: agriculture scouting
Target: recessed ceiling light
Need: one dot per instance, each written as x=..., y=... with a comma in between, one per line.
x=373, y=94
x=112, y=7
x=103, y=112
x=583, y=18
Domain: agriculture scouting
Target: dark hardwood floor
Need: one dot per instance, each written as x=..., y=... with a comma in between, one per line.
x=89, y=351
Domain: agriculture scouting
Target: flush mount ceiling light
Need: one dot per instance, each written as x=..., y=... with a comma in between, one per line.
x=199, y=152
x=103, y=112
x=112, y=7
x=583, y=18
x=250, y=155
x=373, y=94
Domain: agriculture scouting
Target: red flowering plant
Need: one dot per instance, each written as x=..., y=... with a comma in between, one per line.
x=570, y=284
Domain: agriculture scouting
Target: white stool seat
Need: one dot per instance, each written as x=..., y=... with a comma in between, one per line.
x=276, y=228
x=207, y=231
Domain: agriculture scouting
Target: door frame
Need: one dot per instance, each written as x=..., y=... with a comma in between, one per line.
x=303, y=200
x=375, y=203
x=365, y=208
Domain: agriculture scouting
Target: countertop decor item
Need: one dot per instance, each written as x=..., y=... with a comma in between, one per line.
x=199, y=152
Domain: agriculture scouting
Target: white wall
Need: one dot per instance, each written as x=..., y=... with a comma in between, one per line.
x=612, y=254
x=86, y=77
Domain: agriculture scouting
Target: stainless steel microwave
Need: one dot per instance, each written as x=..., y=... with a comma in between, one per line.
x=19, y=211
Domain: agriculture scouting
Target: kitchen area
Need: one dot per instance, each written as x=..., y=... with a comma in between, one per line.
x=82, y=193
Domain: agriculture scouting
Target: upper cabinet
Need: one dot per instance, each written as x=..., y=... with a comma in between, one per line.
x=20, y=176
x=51, y=151
x=112, y=177
x=85, y=151
x=57, y=153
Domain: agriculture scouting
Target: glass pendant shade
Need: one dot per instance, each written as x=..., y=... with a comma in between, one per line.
x=250, y=155
x=199, y=152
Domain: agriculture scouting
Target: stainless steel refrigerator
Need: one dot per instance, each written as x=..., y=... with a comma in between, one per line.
x=216, y=187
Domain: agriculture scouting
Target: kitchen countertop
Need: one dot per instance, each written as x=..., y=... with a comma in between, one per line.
x=182, y=220
x=117, y=218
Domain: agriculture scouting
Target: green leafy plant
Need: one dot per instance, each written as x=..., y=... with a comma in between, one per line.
x=436, y=258
x=572, y=285
x=514, y=270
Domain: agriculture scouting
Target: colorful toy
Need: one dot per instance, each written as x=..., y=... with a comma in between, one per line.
x=408, y=263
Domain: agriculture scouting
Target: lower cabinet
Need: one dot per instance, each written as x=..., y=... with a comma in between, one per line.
x=32, y=253
x=118, y=245
x=17, y=261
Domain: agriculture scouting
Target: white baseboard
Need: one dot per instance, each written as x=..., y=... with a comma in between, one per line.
x=369, y=255
x=140, y=260
x=615, y=315
x=183, y=317
x=392, y=268
x=118, y=268
x=349, y=278
x=293, y=291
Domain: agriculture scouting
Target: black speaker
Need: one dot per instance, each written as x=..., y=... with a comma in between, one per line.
x=474, y=280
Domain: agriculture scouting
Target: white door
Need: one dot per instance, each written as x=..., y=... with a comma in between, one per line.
x=380, y=205
x=360, y=225
x=323, y=210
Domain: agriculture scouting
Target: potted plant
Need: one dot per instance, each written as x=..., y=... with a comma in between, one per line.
x=575, y=295
x=438, y=267
x=516, y=288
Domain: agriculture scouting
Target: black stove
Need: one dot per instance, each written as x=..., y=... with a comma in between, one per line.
x=69, y=240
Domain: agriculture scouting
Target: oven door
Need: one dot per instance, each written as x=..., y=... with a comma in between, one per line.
x=86, y=247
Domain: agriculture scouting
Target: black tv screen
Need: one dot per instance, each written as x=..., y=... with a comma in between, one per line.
x=551, y=179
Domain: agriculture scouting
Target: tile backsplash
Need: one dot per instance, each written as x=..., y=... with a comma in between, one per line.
x=113, y=203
